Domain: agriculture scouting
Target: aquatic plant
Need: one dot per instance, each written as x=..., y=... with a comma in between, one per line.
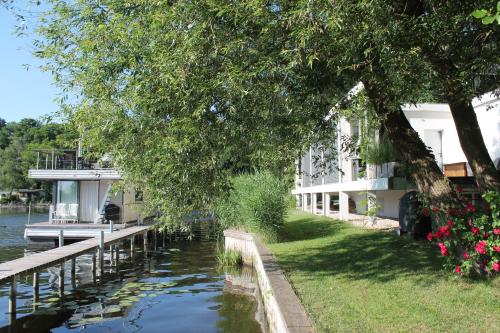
x=229, y=258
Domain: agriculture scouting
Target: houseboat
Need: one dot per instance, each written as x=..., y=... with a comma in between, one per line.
x=84, y=201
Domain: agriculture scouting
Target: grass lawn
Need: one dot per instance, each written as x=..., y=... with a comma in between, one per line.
x=352, y=279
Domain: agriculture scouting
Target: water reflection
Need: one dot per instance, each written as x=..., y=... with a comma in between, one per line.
x=173, y=289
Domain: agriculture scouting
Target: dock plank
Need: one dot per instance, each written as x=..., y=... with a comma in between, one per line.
x=53, y=257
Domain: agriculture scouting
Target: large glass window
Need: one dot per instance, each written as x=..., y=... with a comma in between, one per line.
x=67, y=191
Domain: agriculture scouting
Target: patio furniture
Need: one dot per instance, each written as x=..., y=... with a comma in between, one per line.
x=65, y=213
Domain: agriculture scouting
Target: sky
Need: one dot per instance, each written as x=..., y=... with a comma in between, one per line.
x=23, y=93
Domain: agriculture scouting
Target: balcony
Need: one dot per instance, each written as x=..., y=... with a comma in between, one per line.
x=69, y=164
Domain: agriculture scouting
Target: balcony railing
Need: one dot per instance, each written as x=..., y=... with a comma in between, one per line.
x=63, y=159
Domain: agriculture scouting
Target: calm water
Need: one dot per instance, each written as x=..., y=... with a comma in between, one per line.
x=171, y=288
x=12, y=222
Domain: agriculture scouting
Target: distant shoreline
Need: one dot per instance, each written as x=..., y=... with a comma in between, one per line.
x=22, y=205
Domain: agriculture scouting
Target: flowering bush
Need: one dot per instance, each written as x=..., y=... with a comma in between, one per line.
x=469, y=238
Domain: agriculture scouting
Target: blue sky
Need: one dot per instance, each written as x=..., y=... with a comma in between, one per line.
x=23, y=93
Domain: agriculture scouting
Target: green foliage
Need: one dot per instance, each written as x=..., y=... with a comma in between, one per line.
x=377, y=153
x=228, y=258
x=486, y=16
x=256, y=203
x=18, y=140
x=9, y=199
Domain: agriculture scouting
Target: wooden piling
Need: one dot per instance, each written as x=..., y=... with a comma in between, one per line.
x=73, y=273
x=13, y=295
x=61, y=278
x=36, y=287
x=61, y=238
x=101, y=253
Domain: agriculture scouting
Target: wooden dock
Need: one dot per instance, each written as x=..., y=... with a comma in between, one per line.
x=11, y=270
x=37, y=261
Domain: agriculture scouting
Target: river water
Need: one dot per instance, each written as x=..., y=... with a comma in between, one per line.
x=171, y=287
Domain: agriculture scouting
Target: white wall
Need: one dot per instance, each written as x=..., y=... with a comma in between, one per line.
x=438, y=117
x=488, y=115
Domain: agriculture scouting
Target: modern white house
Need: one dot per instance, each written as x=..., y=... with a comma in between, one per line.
x=83, y=198
x=350, y=187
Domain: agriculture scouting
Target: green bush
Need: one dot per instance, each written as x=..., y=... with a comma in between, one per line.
x=257, y=203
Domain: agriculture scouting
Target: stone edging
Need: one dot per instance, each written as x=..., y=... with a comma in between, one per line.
x=283, y=309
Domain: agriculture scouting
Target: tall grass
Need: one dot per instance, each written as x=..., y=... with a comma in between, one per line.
x=257, y=203
x=229, y=258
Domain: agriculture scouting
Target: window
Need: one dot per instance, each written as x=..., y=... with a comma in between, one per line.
x=67, y=191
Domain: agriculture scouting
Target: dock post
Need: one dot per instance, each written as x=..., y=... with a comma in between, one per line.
x=73, y=273
x=29, y=213
x=61, y=278
x=111, y=249
x=94, y=264
x=36, y=289
x=117, y=256
x=111, y=226
x=146, y=242
x=101, y=252
x=61, y=238
x=132, y=239
x=13, y=296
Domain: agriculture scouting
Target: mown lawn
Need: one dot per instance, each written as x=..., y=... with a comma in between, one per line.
x=355, y=280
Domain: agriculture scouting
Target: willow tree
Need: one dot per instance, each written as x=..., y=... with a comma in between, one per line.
x=181, y=93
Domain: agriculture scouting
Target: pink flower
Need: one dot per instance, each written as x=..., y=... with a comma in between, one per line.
x=496, y=248
x=426, y=211
x=481, y=247
x=429, y=236
x=475, y=230
x=496, y=231
x=444, y=249
x=496, y=266
x=466, y=256
x=435, y=209
x=470, y=207
x=458, y=270
x=486, y=235
x=445, y=231
x=450, y=223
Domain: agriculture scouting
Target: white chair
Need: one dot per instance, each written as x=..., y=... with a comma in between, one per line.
x=60, y=213
x=72, y=215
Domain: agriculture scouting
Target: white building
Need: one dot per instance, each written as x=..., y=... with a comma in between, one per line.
x=83, y=198
x=350, y=192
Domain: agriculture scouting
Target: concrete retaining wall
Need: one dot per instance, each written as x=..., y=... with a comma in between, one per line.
x=283, y=310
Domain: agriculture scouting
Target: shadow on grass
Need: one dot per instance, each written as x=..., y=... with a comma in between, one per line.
x=335, y=248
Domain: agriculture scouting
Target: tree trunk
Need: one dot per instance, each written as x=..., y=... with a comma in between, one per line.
x=423, y=167
x=472, y=143
x=464, y=116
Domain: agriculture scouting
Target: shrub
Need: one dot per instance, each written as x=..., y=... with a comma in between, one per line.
x=257, y=203
x=469, y=238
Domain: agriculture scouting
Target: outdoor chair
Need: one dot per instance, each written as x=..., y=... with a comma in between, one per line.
x=65, y=213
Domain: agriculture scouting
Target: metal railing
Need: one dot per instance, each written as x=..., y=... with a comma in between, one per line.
x=64, y=159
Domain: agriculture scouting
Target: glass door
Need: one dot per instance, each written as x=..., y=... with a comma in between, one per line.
x=67, y=191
